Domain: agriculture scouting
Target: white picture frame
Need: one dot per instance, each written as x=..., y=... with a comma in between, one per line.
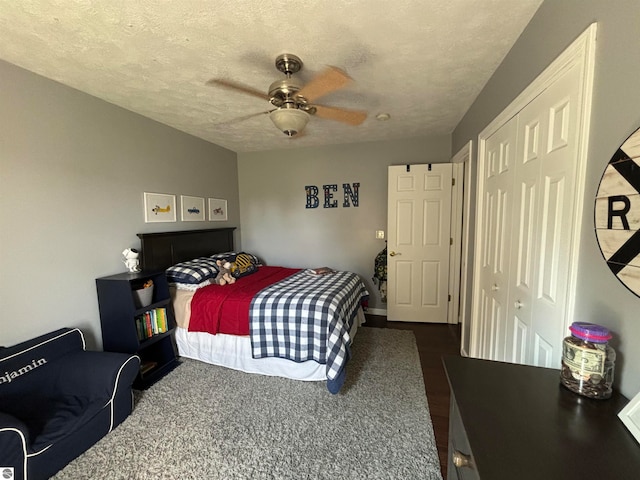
x=218, y=210
x=159, y=207
x=192, y=208
x=630, y=416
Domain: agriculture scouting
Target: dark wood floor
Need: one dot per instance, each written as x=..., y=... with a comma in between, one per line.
x=434, y=341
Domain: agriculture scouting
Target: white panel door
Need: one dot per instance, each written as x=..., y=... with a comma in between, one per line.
x=419, y=216
x=541, y=249
x=543, y=211
x=497, y=177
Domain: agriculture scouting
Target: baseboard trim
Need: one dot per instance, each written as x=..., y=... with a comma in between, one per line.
x=377, y=311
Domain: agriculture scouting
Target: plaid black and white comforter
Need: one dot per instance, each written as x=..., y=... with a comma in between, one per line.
x=307, y=317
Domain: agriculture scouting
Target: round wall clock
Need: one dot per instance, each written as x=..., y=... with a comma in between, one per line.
x=617, y=213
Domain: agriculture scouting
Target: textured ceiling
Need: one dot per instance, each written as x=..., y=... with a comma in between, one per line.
x=421, y=61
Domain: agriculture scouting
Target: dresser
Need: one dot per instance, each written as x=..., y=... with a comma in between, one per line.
x=512, y=421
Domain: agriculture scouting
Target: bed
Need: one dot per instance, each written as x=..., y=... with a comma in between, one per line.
x=277, y=321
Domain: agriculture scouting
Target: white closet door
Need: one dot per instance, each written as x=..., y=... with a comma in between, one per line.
x=526, y=233
x=498, y=177
x=545, y=190
x=528, y=216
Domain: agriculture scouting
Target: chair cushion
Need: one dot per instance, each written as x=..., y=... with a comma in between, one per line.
x=51, y=419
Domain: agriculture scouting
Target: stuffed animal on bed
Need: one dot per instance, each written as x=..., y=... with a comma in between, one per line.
x=224, y=273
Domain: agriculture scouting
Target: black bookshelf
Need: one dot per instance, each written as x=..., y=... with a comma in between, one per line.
x=118, y=313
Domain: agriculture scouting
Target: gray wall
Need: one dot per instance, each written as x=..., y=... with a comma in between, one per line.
x=73, y=170
x=601, y=298
x=276, y=225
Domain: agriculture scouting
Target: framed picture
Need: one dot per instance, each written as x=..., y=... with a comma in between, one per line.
x=192, y=208
x=159, y=207
x=630, y=416
x=217, y=209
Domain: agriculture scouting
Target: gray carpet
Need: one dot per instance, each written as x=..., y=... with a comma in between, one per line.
x=207, y=422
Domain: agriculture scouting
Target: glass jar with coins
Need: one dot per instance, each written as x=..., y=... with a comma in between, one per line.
x=588, y=362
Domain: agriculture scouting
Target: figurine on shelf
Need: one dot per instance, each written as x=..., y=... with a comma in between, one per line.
x=131, y=260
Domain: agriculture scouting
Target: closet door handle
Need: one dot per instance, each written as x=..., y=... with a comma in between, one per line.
x=461, y=460
x=495, y=287
x=393, y=254
x=518, y=304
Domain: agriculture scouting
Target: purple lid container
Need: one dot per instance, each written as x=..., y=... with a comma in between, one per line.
x=590, y=332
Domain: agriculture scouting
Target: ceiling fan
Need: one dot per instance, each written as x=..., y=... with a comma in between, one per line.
x=293, y=101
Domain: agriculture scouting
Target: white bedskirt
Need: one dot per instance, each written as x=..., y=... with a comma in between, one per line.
x=233, y=351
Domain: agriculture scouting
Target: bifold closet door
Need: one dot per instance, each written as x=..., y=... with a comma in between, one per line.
x=529, y=213
x=496, y=218
x=527, y=193
x=543, y=211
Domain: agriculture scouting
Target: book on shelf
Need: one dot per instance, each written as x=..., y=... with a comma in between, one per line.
x=139, y=329
x=154, y=322
x=147, y=321
x=147, y=366
x=162, y=315
x=151, y=322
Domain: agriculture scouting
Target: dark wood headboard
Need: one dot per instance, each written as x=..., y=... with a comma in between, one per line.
x=161, y=250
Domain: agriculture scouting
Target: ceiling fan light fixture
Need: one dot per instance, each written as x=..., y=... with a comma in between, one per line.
x=289, y=121
x=294, y=101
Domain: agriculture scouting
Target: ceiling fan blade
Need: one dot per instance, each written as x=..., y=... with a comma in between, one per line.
x=350, y=117
x=332, y=79
x=243, y=118
x=239, y=87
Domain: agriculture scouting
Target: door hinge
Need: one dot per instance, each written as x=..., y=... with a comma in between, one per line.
x=450, y=241
x=449, y=297
x=453, y=182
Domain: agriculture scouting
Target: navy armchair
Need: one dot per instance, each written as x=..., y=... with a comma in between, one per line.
x=57, y=400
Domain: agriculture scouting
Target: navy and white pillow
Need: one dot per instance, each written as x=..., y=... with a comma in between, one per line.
x=193, y=272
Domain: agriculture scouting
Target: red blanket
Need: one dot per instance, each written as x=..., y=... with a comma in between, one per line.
x=225, y=308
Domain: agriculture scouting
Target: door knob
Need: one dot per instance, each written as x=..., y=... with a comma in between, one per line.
x=393, y=254
x=461, y=460
x=494, y=287
x=518, y=304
